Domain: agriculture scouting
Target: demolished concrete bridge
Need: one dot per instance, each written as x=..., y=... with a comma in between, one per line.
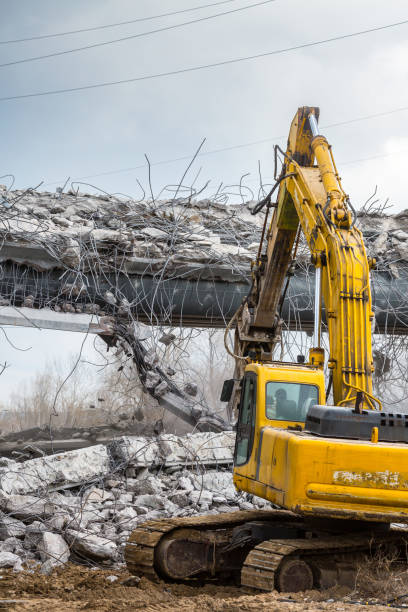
x=175, y=263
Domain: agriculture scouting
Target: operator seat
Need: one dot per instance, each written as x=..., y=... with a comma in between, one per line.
x=287, y=410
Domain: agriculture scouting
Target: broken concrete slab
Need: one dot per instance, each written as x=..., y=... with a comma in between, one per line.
x=213, y=243
x=54, y=551
x=28, y=506
x=11, y=527
x=96, y=495
x=56, y=471
x=8, y=559
x=206, y=448
x=92, y=546
x=168, y=450
x=137, y=450
x=217, y=482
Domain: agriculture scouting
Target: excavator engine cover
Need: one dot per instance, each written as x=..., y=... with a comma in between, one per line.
x=340, y=422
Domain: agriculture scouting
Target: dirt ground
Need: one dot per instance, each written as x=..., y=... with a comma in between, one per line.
x=78, y=588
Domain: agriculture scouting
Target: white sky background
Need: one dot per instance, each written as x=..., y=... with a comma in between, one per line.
x=34, y=351
x=102, y=130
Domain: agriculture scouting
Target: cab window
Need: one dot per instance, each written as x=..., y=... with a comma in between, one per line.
x=246, y=420
x=289, y=401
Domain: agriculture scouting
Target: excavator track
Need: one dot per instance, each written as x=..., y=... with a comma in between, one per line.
x=144, y=541
x=185, y=549
x=300, y=564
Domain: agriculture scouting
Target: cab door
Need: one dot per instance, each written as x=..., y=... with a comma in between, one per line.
x=246, y=420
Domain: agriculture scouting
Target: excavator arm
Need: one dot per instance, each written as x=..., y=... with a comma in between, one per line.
x=311, y=199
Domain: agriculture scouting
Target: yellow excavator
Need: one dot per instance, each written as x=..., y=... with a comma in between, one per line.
x=336, y=474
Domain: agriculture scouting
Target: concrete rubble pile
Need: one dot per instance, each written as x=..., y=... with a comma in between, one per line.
x=78, y=230
x=82, y=505
x=167, y=262
x=74, y=229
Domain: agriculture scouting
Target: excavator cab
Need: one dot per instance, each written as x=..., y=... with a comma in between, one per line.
x=274, y=397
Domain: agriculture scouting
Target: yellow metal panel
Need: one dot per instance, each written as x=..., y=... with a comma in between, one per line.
x=287, y=214
x=314, y=182
x=332, y=477
x=278, y=372
x=358, y=495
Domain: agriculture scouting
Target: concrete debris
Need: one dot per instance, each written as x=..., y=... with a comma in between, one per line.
x=167, y=339
x=11, y=527
x=53, y=550
x=171, y=476
x=8, y=559
x=191, y=389
x=27, y=506
x=136, y=450
x=145, y=486
x=206, y=447
x=218, y=482
x=93, y=546
x=76, y=226
x=201, y=497
x=64, y=469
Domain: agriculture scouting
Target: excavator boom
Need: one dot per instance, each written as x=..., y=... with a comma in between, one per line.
x=312, y=199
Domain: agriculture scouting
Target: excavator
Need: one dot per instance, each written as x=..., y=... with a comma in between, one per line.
x=336, y=474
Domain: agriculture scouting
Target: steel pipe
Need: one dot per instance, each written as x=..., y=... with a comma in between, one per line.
x=200, y=303
x=313, y=125
x=317, y=308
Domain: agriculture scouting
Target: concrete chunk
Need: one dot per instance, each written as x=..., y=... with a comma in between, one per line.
x=155, y=502
x=28, y=506
x=201, y=497
x=53, y=549
x=206, y=448
x=8, y=559
x=11, y=545
x=92, y=546
x=151, y=485
x=136, y=450
x=217, y=482
x=56, y=471
x=11, y=527
x=96, y=495
x=125, y=515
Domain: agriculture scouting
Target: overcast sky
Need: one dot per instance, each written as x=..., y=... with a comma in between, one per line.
x=107, y=129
